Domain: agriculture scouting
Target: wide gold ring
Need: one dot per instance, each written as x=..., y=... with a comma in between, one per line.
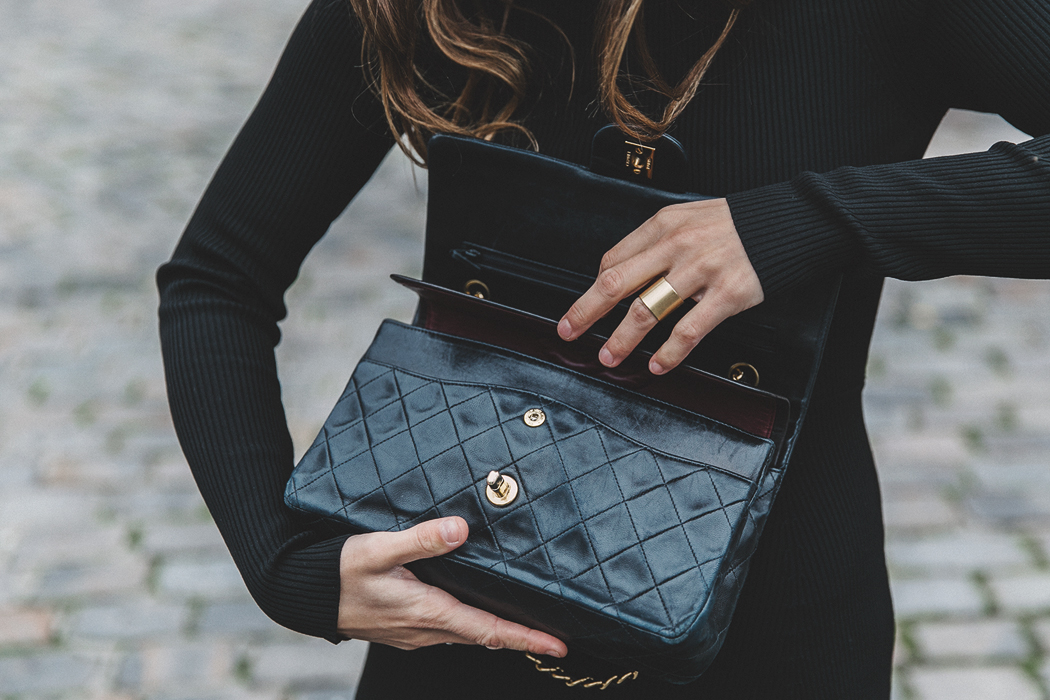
x=661, y=299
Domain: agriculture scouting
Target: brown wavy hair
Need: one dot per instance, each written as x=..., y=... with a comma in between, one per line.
x=497, y=67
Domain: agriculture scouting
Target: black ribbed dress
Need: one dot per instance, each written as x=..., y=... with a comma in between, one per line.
x=810, y=121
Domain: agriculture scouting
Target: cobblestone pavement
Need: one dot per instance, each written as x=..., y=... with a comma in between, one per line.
x=113, y=581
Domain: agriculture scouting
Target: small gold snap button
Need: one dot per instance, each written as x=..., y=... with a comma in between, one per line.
x=476, y=288
x=743, y=373
x=535, y=417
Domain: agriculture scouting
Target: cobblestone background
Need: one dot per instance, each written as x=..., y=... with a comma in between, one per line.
x=113, y=581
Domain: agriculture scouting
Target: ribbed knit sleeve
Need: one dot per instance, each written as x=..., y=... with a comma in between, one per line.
x=311, y=143
x=984, y=214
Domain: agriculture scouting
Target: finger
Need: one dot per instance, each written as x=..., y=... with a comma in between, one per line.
x=380, y=551
x=639, y=240
x=479, y=627
x=639, y=321
x=427, y=615
x=609, y=288
x=690, y=330
x=409, y=639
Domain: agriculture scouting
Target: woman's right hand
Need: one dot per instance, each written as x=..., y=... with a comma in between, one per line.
x=382, y=601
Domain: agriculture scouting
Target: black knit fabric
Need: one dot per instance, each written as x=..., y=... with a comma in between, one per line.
x=811, y=121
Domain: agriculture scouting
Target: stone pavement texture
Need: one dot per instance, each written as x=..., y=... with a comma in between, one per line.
x=113, y=581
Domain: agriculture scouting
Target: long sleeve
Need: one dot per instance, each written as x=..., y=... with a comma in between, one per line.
x=983, y=213
x=318, y=134
x=313, y=140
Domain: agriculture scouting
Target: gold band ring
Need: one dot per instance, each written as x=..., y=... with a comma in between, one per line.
x=661, y=299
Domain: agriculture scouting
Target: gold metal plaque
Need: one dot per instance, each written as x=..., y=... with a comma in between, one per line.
x=639, y=159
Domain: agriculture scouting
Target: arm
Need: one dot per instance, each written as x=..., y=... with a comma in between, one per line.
x=313, y=140
x=981, y=213
x=311, y=143
x=976, y=214
x=984, y=213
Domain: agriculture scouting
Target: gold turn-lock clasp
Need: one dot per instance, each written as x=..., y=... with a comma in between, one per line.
x=500, y=489
x=639, y=159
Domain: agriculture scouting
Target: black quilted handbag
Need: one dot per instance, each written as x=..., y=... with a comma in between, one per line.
x=609, y=507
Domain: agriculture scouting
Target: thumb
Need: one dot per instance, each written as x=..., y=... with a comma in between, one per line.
x=430, y=539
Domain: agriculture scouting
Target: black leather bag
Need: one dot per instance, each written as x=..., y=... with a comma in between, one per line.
x=626, y=506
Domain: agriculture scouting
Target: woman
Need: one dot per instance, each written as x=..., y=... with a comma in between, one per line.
x=809, y=122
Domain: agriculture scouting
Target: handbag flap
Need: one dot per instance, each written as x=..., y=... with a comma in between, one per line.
x=533, y=229
x=629, y=509
x=462, y=315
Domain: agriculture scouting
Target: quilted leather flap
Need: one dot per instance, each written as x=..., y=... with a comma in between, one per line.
x=661, y=493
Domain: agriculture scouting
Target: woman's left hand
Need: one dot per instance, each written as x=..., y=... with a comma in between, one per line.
x=695, y=246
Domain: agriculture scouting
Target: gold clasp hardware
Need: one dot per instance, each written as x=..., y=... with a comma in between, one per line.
x=534, y=417
x=744, y=373
x=476, y=288
x=500, y=490
x=639, y=160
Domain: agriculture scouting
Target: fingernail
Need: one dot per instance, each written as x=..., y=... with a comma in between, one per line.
x=655, y=367
x=555, y=654
x=564, y=329
x=450, y=533
x=605, y=357
x=492, y=648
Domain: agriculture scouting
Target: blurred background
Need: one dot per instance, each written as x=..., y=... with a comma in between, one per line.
x=113, y=581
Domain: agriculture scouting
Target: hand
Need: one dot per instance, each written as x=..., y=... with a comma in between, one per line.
x=695, y=246
x=381, y=601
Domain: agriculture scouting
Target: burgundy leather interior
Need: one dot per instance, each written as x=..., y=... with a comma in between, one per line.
x=753, y=411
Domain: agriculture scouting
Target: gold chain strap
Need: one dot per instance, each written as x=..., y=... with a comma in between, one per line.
x=557, y=673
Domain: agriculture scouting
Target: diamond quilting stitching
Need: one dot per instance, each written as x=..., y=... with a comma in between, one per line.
x=618, y=552
x=355, y=392
x=459, y=443
x=542, y=446
x=714, y=487
x=559, y=580
x=644, y=558
x=678, y=517
x=411, y=437
x=625, y=448
x=684, y=522
x=528, y=502
x=438, y=503
x=379, y=475
x=590, y=539
x=467, y=460
x=369, y=446
x=550, y=402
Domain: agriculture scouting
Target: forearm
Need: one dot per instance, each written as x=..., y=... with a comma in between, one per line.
x=311, y=143
x=982, y=214
x=225, y=402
